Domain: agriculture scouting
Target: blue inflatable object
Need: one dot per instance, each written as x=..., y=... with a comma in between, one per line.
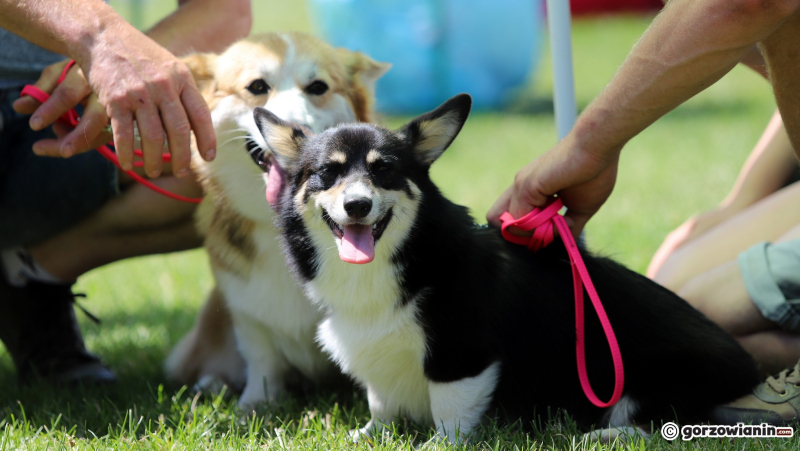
x=438, y=48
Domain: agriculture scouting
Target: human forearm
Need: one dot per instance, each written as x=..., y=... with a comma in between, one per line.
x=75, y=28
x=766, y=169
x=132, y=77
x=689, y=46
x=203, y=26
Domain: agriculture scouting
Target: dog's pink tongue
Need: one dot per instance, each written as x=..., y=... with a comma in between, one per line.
x=274, y=184
x=358, y=244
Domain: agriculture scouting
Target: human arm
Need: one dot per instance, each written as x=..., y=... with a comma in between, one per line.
x=766, y=170
x=752, y=59
x=688, y=47
x=203, y=26
x=133, y=77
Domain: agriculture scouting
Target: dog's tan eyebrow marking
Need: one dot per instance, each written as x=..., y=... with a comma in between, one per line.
x=373, y=156
x=338, y=157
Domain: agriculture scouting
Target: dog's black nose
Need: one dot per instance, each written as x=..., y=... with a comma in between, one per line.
x=357, y=207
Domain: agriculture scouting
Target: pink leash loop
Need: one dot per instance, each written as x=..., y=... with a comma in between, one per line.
x=541, y=221
x=71, y=119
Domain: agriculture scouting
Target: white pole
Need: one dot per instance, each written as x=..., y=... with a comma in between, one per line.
x=558, y=21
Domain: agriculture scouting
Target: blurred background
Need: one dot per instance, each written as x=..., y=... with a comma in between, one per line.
x=438, y=48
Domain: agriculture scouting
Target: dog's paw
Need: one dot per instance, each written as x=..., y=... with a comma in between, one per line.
x=357, y=435
x=212, y=386
x=250, y=399
x=263, y=393
x=371, y=430
x=250, y=402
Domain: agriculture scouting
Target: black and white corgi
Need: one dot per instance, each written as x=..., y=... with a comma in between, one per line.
x=446, y=322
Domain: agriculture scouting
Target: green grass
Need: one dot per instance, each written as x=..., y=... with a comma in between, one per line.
x=684, y=163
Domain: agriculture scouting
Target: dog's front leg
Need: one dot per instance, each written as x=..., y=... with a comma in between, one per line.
x=381, y=414
x=458, y=406
x=266, y=365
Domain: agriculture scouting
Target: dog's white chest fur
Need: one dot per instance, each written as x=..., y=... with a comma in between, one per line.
x=386, y=356
x=371, y=336
x=268, y=293
x=269, y=297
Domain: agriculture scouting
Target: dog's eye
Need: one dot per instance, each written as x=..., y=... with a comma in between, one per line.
x=258, y=87
x=317, y=88
x=382, y=166
x=332, y=168
x=330, y=172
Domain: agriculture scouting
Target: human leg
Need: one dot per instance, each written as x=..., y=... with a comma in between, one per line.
x=39, y=197
x=767, y=220
x=777, y=400
x=138, y=222
x=757, y=299
x=65, y=215
x=721, y=295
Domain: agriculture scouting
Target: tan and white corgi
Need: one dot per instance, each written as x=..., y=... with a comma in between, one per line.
x=256, y=305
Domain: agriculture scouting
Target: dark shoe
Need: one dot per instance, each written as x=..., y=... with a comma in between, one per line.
x=776, y=401
x=39, y=330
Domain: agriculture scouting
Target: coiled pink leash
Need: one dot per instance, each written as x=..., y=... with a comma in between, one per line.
x=71, y=119
x=541, y=222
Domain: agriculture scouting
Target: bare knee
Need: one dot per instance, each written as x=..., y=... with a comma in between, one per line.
x=670, y=275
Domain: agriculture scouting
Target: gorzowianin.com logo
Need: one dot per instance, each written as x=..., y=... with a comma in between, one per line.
x=670, y=431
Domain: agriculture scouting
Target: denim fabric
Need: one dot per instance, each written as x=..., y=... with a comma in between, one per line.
x=771, y=274
x=39, y=196
x=22, y=60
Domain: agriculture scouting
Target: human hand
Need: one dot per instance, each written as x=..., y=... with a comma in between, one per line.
x=582, y=180
x=73, y=90
x=136, y=79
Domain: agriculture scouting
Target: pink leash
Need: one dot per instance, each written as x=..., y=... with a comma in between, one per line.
x=541, y=221
x=71, y=118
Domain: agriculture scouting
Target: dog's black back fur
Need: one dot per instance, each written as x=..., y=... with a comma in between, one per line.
x=487, y=300
x=494, y=300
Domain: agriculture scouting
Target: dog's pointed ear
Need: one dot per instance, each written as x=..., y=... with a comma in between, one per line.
x=432, y=133
x=362, y=73
x=202, y=66
x=363, y=68
x=283, y=138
